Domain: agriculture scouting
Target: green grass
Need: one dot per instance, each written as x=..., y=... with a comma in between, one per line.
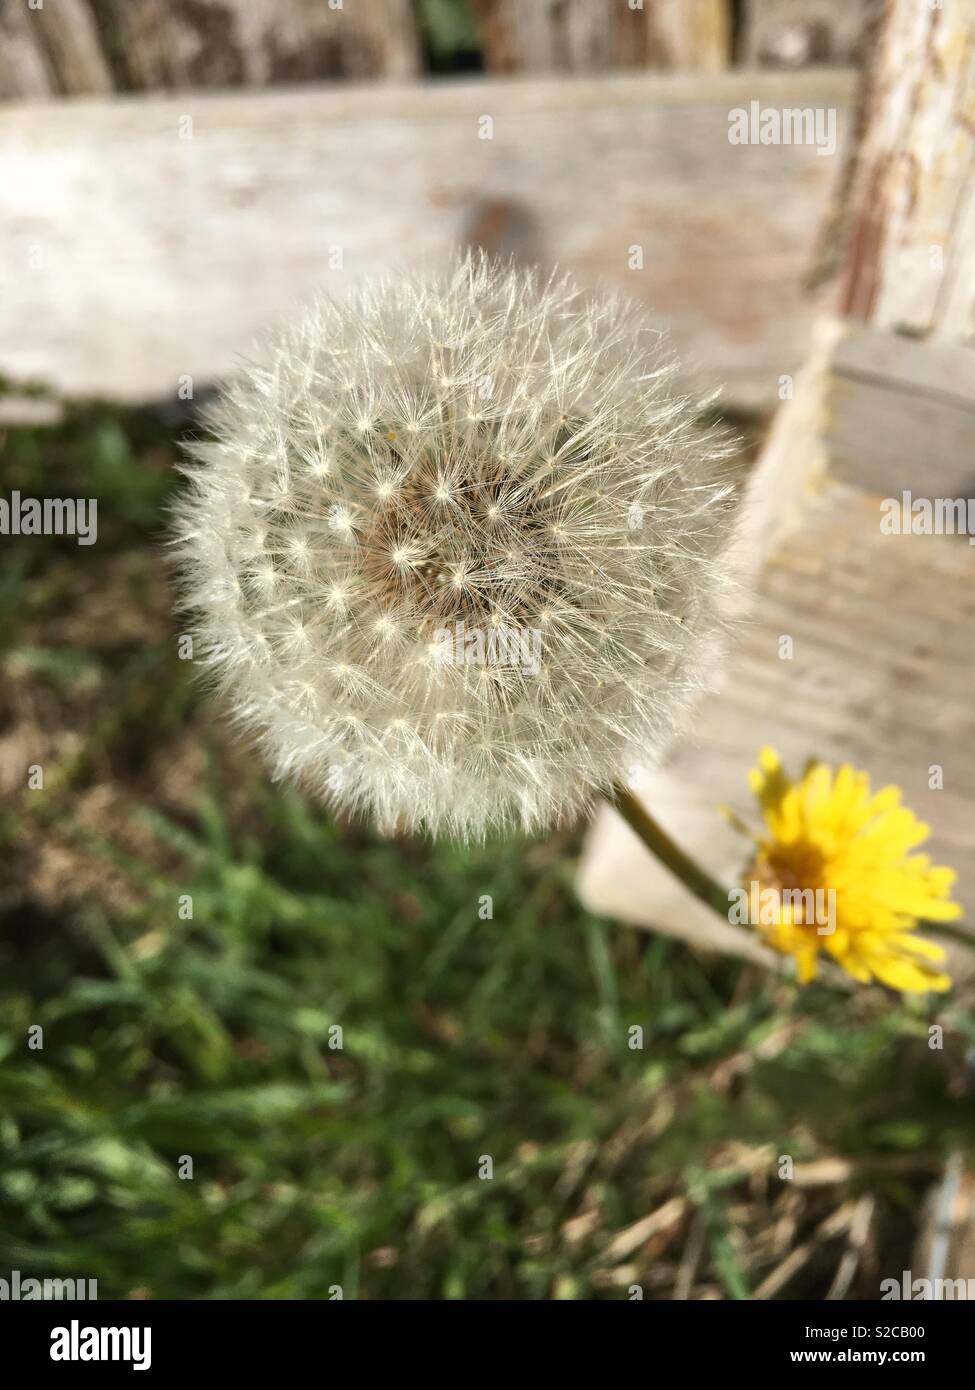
x=212, y=1035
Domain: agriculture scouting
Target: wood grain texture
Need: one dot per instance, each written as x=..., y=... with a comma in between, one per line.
x=588, y=36
x=900, y=415
x=90, y=46
x=130, y=256
x=793, y=33
x=221, y=43
x=25, y=72
x=911, y=260
x=691, y=34
x=71, y=42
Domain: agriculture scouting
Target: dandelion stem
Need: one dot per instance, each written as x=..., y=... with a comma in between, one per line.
x=705, y=888
x=659, y=843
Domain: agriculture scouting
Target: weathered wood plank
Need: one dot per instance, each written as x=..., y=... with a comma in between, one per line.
x=25, y=72
x=224, y=43
x=793, y=33
x=936, y=369
x=690, y=34
x=93, y=46
x=71, y=41
x=585, y=36
x=144, y=240
x=911, y=261
x=945, y=1246
x=901, y=415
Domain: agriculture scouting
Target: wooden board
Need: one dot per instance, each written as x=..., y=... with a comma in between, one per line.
x=87, y=46
x=910, y=267
x=901, y=415
x=791, y=33
x=597, y=35
x=131, y=256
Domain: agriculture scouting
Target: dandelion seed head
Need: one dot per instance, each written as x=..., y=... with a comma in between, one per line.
x=462, y=453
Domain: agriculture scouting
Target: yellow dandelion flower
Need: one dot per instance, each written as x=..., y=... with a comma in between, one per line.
x=838, y=859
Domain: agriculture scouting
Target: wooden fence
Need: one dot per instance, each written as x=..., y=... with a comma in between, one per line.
x=147, y=241
x=91, y=47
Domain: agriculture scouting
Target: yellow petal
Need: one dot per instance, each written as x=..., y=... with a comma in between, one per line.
x=920, y=945
x=829, y=831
